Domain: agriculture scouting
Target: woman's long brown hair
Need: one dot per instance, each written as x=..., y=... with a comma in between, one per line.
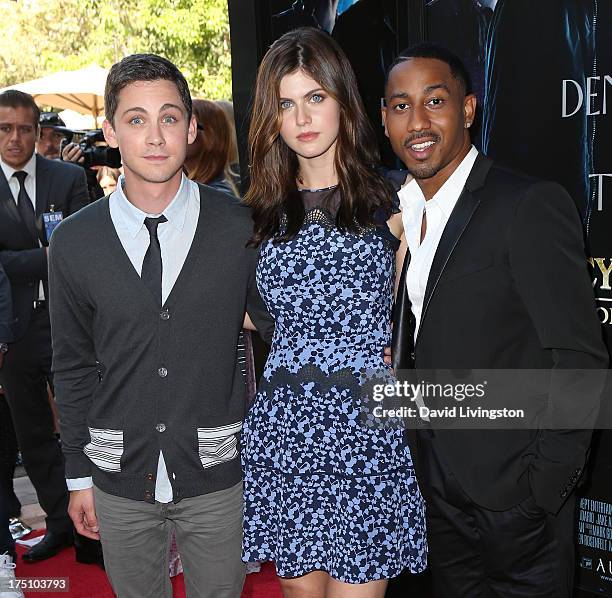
x=273, y=190
x=214, y=159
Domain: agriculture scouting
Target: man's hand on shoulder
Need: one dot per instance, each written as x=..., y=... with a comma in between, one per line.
x=82, y=511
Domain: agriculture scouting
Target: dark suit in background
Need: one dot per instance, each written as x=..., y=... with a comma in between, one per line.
x=8, y=442
x=556, y=42
x=508, y=289
x=368, y=34
x=27, y=365
x=6, y=308
x=7, y=457
x=299, y=14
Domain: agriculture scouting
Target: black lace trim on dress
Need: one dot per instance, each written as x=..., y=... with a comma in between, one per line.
x=310, y=373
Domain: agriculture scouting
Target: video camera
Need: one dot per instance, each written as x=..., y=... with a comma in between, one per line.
x=96, y=151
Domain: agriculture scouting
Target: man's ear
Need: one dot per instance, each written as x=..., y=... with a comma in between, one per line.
x=192, y=130
x=109, y=134
x=383, y=112
x=469, y=109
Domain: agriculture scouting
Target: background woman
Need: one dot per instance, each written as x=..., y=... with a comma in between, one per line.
x=334, y=503
x=208, y=157
x=234, y=161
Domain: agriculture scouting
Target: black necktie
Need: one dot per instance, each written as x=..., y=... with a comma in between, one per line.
x=24, y=205
x=152, y=265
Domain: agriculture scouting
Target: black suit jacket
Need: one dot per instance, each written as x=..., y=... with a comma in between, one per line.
x=60, y=184
x=6, y=308
x=508, y=289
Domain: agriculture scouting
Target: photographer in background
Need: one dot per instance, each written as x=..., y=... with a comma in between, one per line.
x=51, y=135
x=92, y=153
x=72, y=152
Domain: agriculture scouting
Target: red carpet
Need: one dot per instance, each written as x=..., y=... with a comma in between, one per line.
x=89, y=581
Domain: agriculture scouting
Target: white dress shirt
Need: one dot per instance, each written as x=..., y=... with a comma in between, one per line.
x=30, y=187
x=175, y=238
x=438, y=210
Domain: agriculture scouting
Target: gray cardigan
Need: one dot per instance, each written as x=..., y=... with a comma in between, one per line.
x=132, y=378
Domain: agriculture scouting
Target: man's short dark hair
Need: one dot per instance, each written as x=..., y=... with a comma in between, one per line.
x=142, y=67
x=427, y=50
x=12, y=98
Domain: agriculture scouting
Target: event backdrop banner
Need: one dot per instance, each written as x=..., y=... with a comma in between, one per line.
x=542, y=72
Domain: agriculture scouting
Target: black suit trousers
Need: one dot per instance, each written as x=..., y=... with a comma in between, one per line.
x=7, y=544
x=8, y=457
x=478, y=553
x=26, y=371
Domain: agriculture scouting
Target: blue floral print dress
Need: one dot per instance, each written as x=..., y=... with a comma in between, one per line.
x=322, y=490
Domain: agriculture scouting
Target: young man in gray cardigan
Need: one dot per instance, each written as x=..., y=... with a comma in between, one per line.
x=149, y=288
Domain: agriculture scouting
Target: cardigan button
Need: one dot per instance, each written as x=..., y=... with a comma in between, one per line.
x=165, y=315
x=160, y=427
x=162, y=372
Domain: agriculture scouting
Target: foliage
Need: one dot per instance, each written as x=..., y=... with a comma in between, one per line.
x=40, y=37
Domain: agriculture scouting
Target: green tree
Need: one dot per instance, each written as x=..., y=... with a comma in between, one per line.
x=55, y=35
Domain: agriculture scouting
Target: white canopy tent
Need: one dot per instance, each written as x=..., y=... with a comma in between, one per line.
x=77, y=121
x=81, y=90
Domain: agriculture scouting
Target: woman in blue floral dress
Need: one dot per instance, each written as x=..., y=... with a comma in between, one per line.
x=332, y=501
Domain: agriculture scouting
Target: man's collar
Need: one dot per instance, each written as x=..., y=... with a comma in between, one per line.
x=446, y=197
x=30, y=168
x=412, y=198
x=133, y=217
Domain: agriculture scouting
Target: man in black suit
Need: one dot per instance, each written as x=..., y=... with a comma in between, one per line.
x=7, y=544
x=31, y=189
x=495, y=278
x=6, y=314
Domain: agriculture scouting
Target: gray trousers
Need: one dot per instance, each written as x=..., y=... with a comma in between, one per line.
x=136, y=536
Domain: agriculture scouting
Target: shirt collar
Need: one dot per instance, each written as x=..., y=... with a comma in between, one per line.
x=30, y=168
x=133, y=217
x=413, y=201
x=449, y=193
